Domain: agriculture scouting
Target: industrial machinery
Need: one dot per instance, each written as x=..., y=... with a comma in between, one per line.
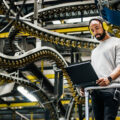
x=22, y=21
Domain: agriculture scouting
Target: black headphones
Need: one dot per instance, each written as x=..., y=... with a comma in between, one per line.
x=103, y=23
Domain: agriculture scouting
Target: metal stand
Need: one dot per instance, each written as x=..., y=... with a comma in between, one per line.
x=87, y=89
x=87, y=104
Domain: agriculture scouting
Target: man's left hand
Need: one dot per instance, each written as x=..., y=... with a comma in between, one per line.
x=103, y=81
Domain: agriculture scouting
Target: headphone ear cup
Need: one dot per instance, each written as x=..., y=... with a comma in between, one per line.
x=105, y=26
x=91, y=32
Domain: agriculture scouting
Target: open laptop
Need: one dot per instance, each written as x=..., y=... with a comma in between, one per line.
x=82, y=74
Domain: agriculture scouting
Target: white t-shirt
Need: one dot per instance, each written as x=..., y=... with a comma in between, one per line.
x=106, y=56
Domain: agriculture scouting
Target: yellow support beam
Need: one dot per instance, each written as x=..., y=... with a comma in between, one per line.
x=33, y=78
x=42, y=66
x=68, y=30
x=117, y=118
x=5, y=35
x=28, y=104
x=65, y=101
x=31, y=116
x=50, y=76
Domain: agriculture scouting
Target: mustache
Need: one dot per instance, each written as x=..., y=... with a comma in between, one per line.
x=97, y=34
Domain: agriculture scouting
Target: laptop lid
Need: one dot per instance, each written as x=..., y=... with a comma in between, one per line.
x=82, y=74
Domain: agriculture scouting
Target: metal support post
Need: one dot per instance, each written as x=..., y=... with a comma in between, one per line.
x=47, y=117
x=80, y=111
x=58, y=89
x=87, y=89
x=87, y=104
x=36, y=7
x=56, y=83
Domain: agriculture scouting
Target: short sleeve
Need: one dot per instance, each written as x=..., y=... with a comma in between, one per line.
x=117, y=52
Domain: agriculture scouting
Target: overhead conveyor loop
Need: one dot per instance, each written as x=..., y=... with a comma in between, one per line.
x=63, y=11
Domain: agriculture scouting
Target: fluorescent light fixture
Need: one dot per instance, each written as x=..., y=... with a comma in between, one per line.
x=89, y=18
x=26, y=93
x=56, y=22
x=73, y=20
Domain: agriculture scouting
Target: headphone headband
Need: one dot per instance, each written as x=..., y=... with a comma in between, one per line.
x=97, y=19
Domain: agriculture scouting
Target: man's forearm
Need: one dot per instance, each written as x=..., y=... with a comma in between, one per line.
x=116, y=73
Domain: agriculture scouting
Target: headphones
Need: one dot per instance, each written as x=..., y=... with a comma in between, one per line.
x=103, y=23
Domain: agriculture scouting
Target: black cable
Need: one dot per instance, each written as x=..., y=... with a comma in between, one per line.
x=8, y=25
x=15, y=7
x=10, y=48
x=18, y=14
x=11, y=6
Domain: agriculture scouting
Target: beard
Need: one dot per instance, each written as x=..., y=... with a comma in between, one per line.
x=102, y=36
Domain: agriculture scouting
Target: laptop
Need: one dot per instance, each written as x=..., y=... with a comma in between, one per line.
x=82, y=74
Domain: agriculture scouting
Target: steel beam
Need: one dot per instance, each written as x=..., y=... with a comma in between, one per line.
x=26, y=104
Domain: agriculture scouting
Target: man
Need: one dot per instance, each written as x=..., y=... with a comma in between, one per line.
x=105, y=60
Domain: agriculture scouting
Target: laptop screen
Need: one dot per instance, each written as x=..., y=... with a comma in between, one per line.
x=82, y=74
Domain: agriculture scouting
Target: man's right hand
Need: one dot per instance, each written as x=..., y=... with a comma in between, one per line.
x=82, y=92
x=103, y=82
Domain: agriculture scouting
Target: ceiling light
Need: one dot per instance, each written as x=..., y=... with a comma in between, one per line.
x=56, y=22
x=26, y=93
x=73, y=20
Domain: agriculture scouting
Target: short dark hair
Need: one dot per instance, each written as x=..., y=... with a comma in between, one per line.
x=97, y=19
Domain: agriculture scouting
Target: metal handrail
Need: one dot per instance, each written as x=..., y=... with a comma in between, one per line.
x=87, y=89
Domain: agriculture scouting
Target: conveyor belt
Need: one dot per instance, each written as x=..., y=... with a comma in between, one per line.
x=41, y=96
